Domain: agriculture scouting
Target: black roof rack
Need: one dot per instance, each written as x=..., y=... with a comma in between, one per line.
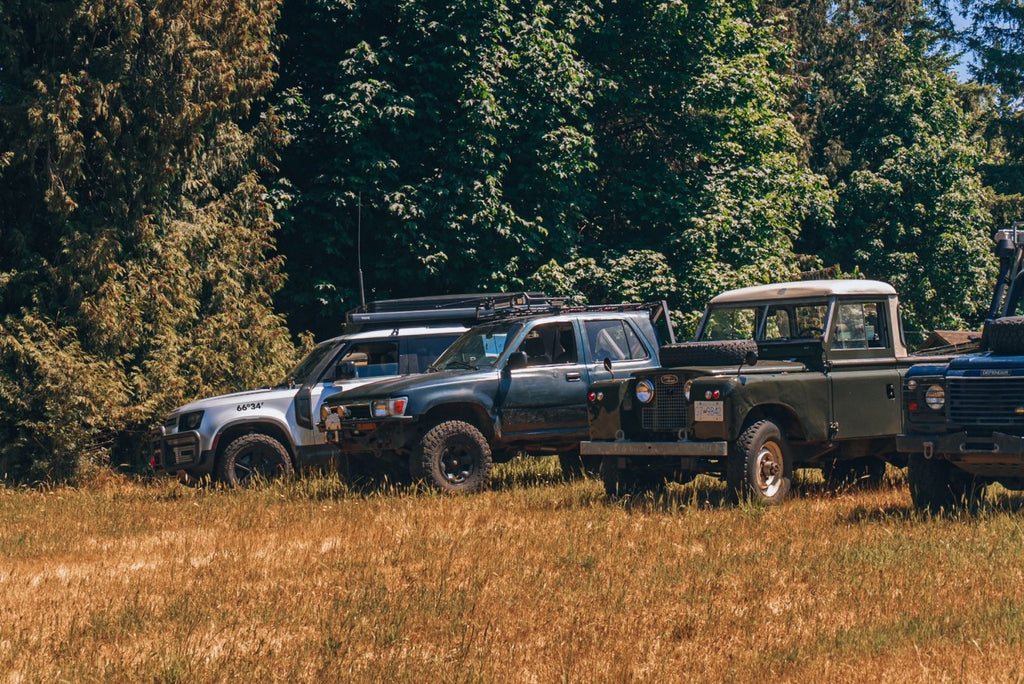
x=473, y=308
x=531, y=304
x=435, y=309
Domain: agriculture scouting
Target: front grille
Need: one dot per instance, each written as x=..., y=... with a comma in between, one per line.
x=668, y=410
x=356, y=412
x=182, y=449
x=997, y=401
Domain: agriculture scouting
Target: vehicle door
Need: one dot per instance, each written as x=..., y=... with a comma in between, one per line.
x=549, y=395
x=863, y=377
x=617, y=341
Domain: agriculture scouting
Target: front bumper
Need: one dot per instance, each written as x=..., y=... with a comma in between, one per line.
x=368, y=435
x=684, y=448
x=178, y=452
x=960, y=445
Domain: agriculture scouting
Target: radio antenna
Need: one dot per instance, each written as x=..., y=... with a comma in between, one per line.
x=359, y=248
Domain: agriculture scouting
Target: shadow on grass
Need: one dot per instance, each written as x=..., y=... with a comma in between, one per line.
x=1000, y=502
x=707, y=491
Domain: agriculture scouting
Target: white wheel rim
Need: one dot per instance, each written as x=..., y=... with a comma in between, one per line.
x=769, y=469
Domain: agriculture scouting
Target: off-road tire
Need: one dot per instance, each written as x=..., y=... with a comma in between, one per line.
x=718, y=353
x=937, y=485
x=759, y=467
x=1005, y=336
x=576, y=466
x=253, y=457
x=455, y=458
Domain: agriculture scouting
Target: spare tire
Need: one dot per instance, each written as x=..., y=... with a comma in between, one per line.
x=1005, y=336
x=717, y=353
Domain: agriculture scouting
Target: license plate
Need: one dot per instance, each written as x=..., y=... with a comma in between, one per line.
x=708, y=411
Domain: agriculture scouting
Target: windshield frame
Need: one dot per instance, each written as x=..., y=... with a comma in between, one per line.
x=311, y=363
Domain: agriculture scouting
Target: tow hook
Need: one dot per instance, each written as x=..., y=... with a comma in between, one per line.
x=929, y=449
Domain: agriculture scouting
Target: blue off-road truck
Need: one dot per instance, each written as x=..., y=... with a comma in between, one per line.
x=964, y=420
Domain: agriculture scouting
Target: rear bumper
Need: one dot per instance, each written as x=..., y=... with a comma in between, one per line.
x=710, y=449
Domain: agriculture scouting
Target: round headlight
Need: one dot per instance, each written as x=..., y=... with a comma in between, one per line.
x=645, y=391
x=935, y=397
x=687, y=386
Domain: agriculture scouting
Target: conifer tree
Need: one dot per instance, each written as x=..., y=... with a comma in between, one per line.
x=134, y=269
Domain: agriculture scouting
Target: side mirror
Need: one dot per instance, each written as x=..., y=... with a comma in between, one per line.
x=515, y=360
x=346, y=370
x=608, y=364
x=750, y=359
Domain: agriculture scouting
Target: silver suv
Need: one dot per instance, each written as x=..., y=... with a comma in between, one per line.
x=268, y=432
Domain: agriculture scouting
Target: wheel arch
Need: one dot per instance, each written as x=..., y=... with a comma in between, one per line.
x=474, y=414
x=270, y=428
x=785, y=417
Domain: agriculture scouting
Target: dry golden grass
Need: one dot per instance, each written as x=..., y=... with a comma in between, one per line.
x=536, y=581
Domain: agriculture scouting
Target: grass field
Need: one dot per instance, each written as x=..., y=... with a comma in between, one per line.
x=538, y=580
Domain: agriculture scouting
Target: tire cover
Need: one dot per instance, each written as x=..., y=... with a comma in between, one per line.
x=721, y=352
x=1005, y=336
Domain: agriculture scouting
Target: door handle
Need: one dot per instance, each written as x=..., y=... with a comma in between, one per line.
x=573, y=376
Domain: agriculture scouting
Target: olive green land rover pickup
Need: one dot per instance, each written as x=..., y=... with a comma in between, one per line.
x=800, y=374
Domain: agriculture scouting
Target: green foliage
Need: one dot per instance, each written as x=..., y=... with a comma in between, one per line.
x=134, y=263
x=995, y=36
x=609, y=151
x=462, y=128
x=697, y=159
x=888, y=128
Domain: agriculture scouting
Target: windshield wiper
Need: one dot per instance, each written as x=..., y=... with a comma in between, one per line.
x=455, y=363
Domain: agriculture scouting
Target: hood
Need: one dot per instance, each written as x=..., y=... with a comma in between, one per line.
x=410, y=383
x=1009, y=365
x=262, y=394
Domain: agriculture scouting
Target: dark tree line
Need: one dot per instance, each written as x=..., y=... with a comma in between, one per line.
x=183, y=187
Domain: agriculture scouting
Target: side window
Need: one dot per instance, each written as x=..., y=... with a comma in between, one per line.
x=420, y=352
x=373, y=359
x=613, y=340
x=637, y=350
x=859, y=326
x=777, y=324
x=550, y=343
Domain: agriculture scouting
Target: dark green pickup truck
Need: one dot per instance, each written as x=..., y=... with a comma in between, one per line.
x=517, y=383
x=795, y=374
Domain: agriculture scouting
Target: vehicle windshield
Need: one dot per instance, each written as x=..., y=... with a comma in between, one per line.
x=478, y=348
x=766, y=322
x=731, y=323
x=303, y=368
